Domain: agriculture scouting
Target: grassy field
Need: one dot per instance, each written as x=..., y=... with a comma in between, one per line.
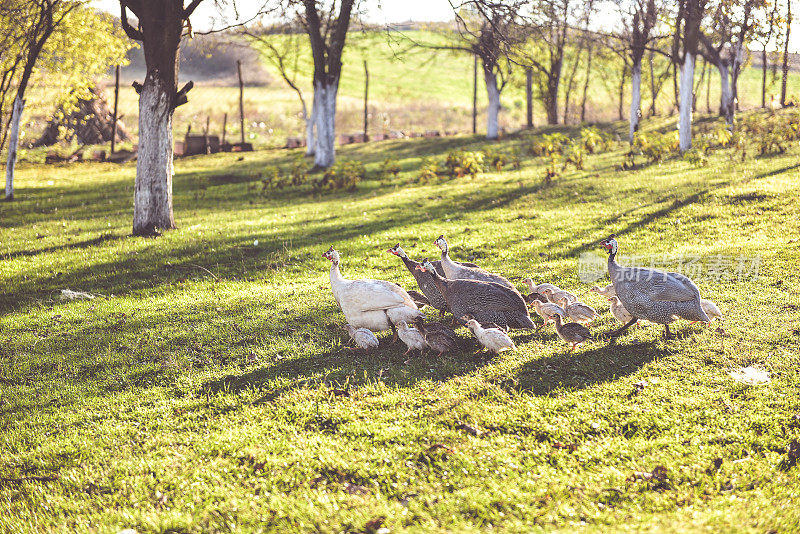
x=207, y=387
x=411, y=89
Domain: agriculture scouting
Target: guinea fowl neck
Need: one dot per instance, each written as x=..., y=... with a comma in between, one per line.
x=441, y=283
x=409, y=263
x=336, y=276
x=614, y=268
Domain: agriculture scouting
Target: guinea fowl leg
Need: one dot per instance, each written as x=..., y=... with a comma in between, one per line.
x=667, y=333
x=618, y=332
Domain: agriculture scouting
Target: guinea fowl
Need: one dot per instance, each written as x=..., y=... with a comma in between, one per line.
x=362, y=337
x=492, y=339
x=618, y=310
x=711, y=309
x=373, y=304
x=572, y=332
x=487, y=302
x=438, y=336
x=424, y=280
x=547, y=311
x=555, y=296
x=578, y=311
x=413, y=338
x=607, y=291
x=658, y=296
x=457, y=271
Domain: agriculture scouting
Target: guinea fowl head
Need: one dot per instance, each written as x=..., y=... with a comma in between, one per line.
x=426, y=266
x=469, y=322
x=441, y=243
x=332, y=255
x=610, y=244
x=397, y=251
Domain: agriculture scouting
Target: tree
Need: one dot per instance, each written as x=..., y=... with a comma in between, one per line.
x=61, y=39
x=547, y=28
x=687, y=34
x=281, y=46
x=639, y=18
x=767, y=11
x=327, y=32
x=785, y=74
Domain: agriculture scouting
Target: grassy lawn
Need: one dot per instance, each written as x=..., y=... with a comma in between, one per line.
x=207, y=387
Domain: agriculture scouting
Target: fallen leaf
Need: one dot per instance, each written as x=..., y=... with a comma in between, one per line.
x=658, y=473
x=373, y=525
x=469, y=429
x=715, y=466
x=571, y=447
x=355, y=489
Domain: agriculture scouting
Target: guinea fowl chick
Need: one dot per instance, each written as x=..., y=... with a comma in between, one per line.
x=362, y=337
x=711, y=309
x=578, y=311
x=548, y=310
x=607, y=291
x=557, y=295
x=412, y=337
x=493, y=339
x=539, y=288
x=438, y=336
x=618, y=310
x=572, y=332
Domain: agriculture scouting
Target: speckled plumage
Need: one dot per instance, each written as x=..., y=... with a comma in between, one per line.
x=572, y=332
x=458, y=271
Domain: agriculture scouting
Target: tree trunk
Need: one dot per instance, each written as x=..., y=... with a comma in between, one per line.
x=653, y=93
x=152, y=197
x=726, y=96
x=785, y=77
x=685, y=119
x=620, y=108
x=571, y=82
x=309, y=122
x=13, y=143
x=493, y=110
x=636, y=99
x=586, y=82
x=551, y=98
x=529, y=97
x=677, y=101
x=325, y=110
x=764, y=78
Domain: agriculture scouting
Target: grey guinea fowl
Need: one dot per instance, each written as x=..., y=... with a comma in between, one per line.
x=457, y=271
x=487, y=302
x=362, y=337
x=424, y=280
x=578, y=311
x=658, y=296
x=572, y=332
x=547, y=311
x=607, y=291
x=438, y=336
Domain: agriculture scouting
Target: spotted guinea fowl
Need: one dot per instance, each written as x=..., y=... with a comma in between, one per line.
x=457, y=271
x=572, y=332
x=424, y=280
x=578, y=311
x=373, y=304
x=618, y=310
x=487, y=302
x=658, y=296
x=438, y=336
x=492, y=339
x=547, y=311
x=607, y=291
x=362, y=337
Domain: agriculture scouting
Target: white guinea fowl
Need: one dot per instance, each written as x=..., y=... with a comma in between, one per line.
x=557, y=295
x=373, y=304
x=618, y=310
x=658, y=296
x=711, y=309
x=547, y=311
x=492, y=339
x=607, y=291
x=362, y=337
x=578, y=311
x=413, y=338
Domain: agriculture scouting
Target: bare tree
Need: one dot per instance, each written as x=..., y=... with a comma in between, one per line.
x=690, y=14
x=583, y=43
x=639, y=18
x=31, y=24
x=281, y=46
x=768, y=12
x=785, y=74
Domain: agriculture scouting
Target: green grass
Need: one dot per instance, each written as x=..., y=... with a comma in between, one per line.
x=201, y=390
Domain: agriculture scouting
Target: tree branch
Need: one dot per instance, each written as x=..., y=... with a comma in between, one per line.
x=131, y=32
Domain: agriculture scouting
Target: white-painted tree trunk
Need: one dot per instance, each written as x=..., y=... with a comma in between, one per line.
x=310, y=141
x=636, y=99
x=686, y=98
x=13, y=143
x=492, y=113
x=325, y=111
x=152, y=197
x=726, y=95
